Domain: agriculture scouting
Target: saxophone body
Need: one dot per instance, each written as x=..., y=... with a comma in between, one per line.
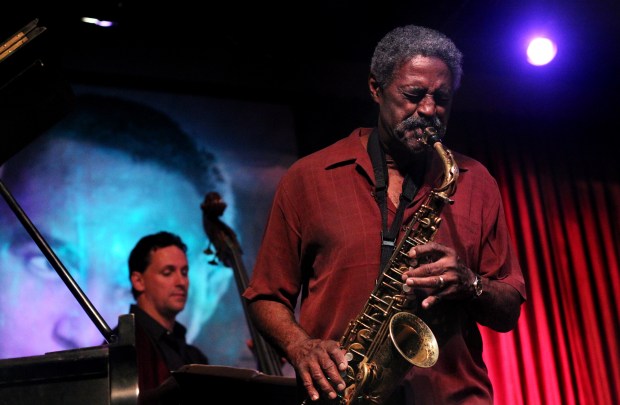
x=386, y=339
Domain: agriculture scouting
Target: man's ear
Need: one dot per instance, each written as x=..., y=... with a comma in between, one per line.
x=137, y=281
x=374, y=87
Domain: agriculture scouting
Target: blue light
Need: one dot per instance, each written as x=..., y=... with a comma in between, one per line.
x=541, y=51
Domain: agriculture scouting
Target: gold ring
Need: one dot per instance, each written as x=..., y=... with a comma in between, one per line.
x=441, y=282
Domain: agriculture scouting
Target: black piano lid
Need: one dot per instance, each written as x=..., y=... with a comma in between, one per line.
x=34, y=95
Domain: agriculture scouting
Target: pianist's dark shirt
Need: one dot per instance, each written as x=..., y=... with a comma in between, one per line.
x=159, y=352
x=172, y=345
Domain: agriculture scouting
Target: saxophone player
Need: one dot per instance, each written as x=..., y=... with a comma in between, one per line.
x=336, y=220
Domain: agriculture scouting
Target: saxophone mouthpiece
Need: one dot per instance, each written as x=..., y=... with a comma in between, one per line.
x=431, y=136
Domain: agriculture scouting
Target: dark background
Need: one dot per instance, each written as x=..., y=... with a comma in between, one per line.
x=314, y=57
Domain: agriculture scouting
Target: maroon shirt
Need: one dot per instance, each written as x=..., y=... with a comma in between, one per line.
x=323, y=240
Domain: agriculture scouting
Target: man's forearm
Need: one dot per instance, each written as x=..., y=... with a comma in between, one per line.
x=498, y=307
x=277, y=323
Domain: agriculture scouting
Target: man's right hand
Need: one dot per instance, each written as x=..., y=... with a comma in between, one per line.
x=320, y=365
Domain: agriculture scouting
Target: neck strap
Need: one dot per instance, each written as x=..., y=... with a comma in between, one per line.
x=379, y=165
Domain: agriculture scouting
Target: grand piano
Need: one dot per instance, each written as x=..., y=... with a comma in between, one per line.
x=33, y=97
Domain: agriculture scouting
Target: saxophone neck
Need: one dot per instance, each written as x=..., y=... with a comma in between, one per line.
x=450, y=168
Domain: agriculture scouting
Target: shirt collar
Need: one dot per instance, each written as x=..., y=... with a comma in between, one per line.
x=352, y=150
x=152, y=327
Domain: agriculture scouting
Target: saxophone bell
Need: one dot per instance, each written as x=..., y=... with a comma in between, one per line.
x=414, y=340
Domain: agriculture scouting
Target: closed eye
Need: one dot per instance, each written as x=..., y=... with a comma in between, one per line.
x=36, y=263
x=440, y=98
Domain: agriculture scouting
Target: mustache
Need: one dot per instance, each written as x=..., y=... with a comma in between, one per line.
x=413, y=122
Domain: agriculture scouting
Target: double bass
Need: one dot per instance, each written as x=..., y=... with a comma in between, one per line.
x=228, y=251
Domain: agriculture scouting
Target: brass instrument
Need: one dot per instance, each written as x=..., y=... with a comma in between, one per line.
x=386, y=338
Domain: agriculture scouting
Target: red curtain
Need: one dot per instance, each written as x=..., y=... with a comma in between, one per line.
x=562, y=208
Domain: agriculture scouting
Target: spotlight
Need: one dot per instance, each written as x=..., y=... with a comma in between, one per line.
x=541, y=51
x=100, y=23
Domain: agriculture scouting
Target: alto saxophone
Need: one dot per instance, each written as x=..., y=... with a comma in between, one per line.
x=386, y=339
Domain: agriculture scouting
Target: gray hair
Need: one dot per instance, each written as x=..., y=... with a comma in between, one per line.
x=403, y=43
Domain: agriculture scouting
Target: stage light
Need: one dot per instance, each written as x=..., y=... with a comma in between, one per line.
x=100, y=23
x=541, y=51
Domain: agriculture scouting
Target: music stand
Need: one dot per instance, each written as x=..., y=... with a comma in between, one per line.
x=237, y=385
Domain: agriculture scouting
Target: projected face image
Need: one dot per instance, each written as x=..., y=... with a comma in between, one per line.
x=91, y=204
